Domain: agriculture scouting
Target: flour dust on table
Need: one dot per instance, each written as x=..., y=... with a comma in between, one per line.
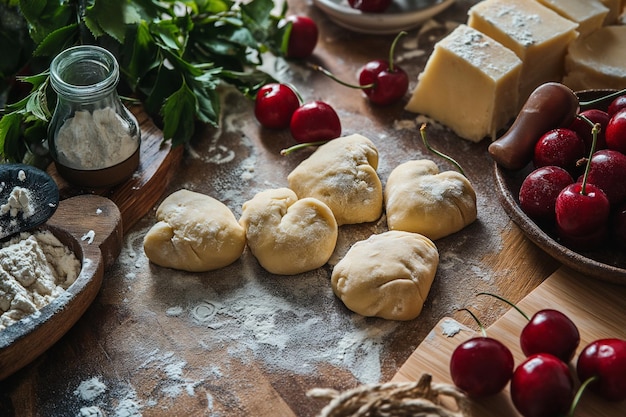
x=282, y=324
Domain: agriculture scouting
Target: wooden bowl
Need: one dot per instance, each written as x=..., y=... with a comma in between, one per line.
x=607, y=263
x=74, y=219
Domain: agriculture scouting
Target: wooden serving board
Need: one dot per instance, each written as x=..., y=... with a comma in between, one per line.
x=597, y=308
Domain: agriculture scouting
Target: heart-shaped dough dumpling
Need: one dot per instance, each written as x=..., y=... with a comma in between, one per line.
x=342, y=174
x=288, y=235
x=388, y=275
x=194, y=232
x=420, y=199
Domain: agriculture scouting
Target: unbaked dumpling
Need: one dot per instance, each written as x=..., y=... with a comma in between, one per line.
x=288, y=235
x=194, y=232
x=420, y=199
x=387, y=275
x=342, y=174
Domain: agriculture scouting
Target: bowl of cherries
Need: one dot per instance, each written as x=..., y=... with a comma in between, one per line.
x=560, y=171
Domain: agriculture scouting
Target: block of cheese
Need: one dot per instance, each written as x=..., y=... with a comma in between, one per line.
x=597, y=61
x=469, y=83
x=615, y=9
x=589, y=14
x=538, y=35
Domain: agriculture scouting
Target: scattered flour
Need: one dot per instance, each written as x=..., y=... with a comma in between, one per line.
x=89, y=390
x=89, y=236
x=450, y=328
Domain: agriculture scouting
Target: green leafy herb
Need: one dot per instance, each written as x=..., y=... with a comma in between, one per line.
x=173, y=56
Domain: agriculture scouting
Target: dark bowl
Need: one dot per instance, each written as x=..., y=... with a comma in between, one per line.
x=607, y=263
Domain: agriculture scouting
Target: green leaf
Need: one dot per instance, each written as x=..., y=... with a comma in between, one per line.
x=57, y=41
x=46, y=16
x=160, y=85
x=111, y=17
x=142, y=56
x=178, y=113
x=10, y=125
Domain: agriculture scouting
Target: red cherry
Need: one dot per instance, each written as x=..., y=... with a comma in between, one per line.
x=616, y=105
x=616, y=132
x=583, y=129
x=561, y=147
x=606, y=166
x=539, y=190
x=481, y=366
x=542, y=386
x=370, y=6
x=390, y=83
x=303, y=36
x=550, y=331
x=315, y=122
x=274, y=105
x=582, y=218
x=604, y=359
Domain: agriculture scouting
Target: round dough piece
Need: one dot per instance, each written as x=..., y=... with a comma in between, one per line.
x=387, y=275
x=289, y=236
x=420, y=199
x=342, y=174
x=194, y=233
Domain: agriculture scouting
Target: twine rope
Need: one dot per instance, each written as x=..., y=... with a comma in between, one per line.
x=397, y=399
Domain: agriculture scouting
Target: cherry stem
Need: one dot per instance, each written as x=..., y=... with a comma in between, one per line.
x=334, y=77
x=595, y=129
x=579, y=394
x=480, y=325
x=393, y=48
x=599, y=99
x=506, y=301
x=301, y=146
x=436, y=152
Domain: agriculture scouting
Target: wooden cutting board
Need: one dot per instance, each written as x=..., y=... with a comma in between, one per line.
x=597, y=308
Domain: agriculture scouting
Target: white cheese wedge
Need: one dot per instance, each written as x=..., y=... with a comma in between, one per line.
x=538, y=35
x=615, y=9
x=589, y=14
x=597, y=61
x=470, y=84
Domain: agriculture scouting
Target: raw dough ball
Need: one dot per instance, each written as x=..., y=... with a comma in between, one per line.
x=342, y=174
x=194, y=233
x=388, y=275
x=420, y=199
x=289, y=236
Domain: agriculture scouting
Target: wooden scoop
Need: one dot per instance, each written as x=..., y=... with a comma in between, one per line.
x=91, y=226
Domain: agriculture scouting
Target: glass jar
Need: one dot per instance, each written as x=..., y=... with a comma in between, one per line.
x=93, y=138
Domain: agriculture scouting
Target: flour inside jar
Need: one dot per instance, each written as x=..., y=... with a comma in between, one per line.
x=95, y=140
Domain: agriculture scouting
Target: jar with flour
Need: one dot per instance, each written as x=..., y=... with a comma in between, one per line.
x=93, y=138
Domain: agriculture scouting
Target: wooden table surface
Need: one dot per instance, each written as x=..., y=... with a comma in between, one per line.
x=239, y=341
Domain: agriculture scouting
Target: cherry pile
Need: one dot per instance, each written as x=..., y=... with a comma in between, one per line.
x=279, y=106
x=542, y=384
x=577, y=185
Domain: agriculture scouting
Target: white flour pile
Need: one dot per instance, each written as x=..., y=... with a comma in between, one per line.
x=34, y=270
x=95, y=140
